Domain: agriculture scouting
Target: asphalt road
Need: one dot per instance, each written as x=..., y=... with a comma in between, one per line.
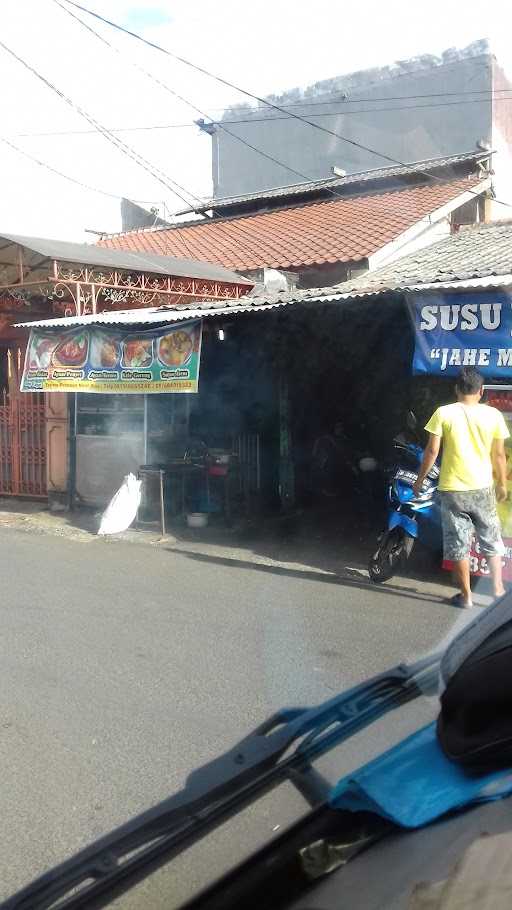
x=124, y=667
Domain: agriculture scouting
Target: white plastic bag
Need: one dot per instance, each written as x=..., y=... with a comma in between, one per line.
x=122, y=508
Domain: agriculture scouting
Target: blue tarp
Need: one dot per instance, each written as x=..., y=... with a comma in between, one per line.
x=414, y=783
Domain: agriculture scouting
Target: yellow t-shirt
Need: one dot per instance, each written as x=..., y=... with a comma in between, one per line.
x=467, y=433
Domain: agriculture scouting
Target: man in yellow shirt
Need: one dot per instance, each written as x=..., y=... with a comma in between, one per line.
x=472, y=436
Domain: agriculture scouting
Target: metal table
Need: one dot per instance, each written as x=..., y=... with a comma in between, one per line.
x=181, y=470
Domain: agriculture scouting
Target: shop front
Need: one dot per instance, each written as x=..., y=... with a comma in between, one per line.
x=186, y=403
x=46, y=437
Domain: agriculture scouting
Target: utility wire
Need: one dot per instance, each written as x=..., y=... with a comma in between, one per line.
x=86, y=186
x=70, y=179
x=180, y=97
x=175, y=227
x=348, y=100
x=368, y=110
x=127, y=150
x=258, y=98
x=221, y=123
x=231, y=85
x=228, y=84
x=122, y=146
x=163, y=85
x=53, y=170
x=225, y=229
x=221, y=225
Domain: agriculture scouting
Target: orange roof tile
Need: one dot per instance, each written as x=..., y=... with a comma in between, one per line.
x=315, y=233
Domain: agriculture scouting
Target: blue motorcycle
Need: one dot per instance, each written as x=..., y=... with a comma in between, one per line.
x=410, y=517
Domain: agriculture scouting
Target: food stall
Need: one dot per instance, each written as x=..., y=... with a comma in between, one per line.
x=133, y=411
x=113, y=375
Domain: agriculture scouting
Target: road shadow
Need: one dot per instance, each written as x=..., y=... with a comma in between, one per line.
x=335, y=539
x=305, y=575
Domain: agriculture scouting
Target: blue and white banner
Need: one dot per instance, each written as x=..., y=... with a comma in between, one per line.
x=455, y=330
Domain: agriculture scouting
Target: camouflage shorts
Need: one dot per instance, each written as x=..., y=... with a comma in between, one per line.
x=463, y=512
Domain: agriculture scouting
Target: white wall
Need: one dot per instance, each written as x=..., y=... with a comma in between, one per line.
x=402, y=247
x=502, y=180
x=501, y=140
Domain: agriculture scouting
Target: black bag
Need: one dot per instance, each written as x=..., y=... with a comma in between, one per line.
x=474, y=727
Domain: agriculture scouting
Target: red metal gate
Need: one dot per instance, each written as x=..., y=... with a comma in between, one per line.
x=22, y=432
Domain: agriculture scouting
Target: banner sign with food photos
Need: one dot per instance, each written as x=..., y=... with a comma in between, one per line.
x=103, y=359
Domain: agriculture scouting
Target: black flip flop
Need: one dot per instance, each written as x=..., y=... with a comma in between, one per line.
x=457, y=601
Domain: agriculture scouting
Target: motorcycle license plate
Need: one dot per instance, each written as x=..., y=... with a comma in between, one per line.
x=408, y=476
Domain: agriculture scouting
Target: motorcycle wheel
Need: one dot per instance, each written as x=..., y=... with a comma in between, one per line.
x=394, y=548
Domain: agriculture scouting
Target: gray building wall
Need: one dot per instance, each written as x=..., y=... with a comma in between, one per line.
x=407, y=130
x=133, y=217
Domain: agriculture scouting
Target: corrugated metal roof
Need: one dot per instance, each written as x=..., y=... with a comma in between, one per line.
x=494, y=281
x=333, y=183
x=135, y=261
x=154, y=315
x=480, y=252
x=263, y=303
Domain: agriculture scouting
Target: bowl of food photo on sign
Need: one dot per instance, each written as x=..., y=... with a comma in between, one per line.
x=40, y=353
x=175, y=349
x=72, y=351
x=105, y=352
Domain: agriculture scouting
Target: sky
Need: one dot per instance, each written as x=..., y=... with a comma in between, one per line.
x=266, y=48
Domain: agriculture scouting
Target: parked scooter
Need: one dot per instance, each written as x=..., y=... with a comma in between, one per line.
x=410, y=517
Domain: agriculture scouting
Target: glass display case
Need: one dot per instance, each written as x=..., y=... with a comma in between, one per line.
x=110, y=443
x=109, y=415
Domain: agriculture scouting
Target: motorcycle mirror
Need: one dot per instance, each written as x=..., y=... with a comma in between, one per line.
x=412, y=423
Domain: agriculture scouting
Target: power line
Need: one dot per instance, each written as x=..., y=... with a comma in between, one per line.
x=163, y=85
x=79, y=183
x=236, y=240
x=491, y=93
x=111, y=129
x=126, y=149
x=215, y=122
x=348, y=100
x=175, y=227
x=231, y=85
x=224, y=81
x=225, y=229
x=70, y=179
x=221, y=79
x=258, y=98
x=122, y=146
x=180, y=97
x=49, y=167
x=366, y=110
x=87, y=186
x=221, y=123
